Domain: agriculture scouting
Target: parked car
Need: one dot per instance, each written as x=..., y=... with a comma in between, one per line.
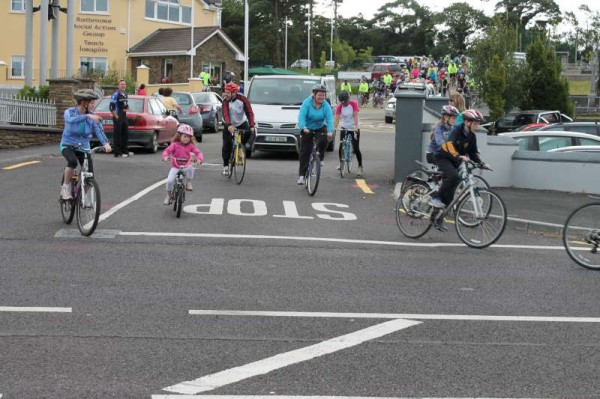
x=305, y=64
x=578, y=148
x=276, y=101
x=531, y=126
x=549, y=140
x=149, y=126
x=381, y=69
x=211, y=109
x=190, y=112
x=390, y=110
x=582, y=127
x=514, y=120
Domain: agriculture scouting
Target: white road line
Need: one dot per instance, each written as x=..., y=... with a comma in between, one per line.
x=324, y=239
x=34, y=309
x=128, y=201
x=264, y=366
x=297, y=397
x=396, y=316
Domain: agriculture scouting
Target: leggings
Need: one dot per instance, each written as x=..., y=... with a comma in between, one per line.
x=188, y=173
x=73, y=156
x=355, y=144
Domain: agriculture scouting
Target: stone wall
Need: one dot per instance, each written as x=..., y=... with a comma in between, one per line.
x=12, y=137
x=61, y=91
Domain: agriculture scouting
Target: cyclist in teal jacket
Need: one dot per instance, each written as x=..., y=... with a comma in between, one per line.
x=80, y=123
x=315, y=116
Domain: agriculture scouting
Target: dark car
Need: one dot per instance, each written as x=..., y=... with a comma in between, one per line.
x=515, y=120
x=190, y=112
x=149, y=126
x=211, y=109
x=582, y=127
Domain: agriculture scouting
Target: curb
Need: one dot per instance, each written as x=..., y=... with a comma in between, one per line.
x=530, y=226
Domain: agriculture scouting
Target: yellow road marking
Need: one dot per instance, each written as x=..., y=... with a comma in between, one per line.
x=20, y=164
x=363, y=186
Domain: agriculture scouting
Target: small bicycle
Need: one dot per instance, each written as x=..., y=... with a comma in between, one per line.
x=347, y=152
x=237, y=160
x=178, y=193
x=480, y=215
x=581, y=235
x=313, y=172
x=85, y=195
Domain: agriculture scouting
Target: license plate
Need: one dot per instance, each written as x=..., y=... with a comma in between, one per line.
x=276, y=139
x=107, y=121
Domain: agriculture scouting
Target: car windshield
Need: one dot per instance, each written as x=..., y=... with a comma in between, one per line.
x=182, y=98
x=135, y=105
x=202, y=98
x=277, y=91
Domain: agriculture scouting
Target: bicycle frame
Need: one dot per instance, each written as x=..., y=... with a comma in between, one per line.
x=348, y=145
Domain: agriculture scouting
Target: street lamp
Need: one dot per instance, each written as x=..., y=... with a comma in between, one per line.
x=287, y=23
x=308, y=23
x=246, y=31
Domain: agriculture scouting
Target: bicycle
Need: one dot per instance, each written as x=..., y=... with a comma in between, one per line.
x=581, y=235
x=313, y=171
x=85, y=198
x=347, y=152
x=237, y=160
x=378, y=100
x=479, y=210
x=178, y=193
x=363, y=99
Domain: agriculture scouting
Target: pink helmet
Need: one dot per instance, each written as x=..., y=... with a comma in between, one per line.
x=185, y=129
x=232, y=87
x=450, y=110
x=473, y=115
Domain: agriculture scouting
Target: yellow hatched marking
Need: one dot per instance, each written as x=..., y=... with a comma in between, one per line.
x=363, y=186
x=20, y=165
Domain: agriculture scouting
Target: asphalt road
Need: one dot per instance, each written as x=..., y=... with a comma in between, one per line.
x=261, y=290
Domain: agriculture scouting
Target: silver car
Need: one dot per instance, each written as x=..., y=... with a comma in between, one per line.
x=190, y=112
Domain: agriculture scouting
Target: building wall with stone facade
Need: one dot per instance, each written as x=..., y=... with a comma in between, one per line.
x=12, y=137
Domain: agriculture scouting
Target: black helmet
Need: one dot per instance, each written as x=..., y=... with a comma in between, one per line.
x=85, y=94
x=319, y=87
x=344, y=96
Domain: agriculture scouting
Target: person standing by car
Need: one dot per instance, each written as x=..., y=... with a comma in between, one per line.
x=118, y=108
x=170, y=103
x=315, y=116
x=347, y=112
x=237, y=114
x=80, y=123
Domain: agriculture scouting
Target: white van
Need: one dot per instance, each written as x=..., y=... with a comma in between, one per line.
x=276, y=101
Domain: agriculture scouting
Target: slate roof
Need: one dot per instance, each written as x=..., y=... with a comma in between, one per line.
x=177, y=40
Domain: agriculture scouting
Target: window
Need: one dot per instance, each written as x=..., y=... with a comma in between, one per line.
x=94, y=6
x=17, y=66
x=507, y=121
x=17, y=5
x=168, y=68
x=552, y=142
x=588, y=142
x=88, y=65
x=168, y=10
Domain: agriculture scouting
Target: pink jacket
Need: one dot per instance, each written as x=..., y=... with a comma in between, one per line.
x=178, y=150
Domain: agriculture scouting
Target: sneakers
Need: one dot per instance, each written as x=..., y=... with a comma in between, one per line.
x=167, y=200
x=301, y=180
x=360, y=171
x=65, y=193
x=188, y=186
x=437, y=203
x=339, y=166
x=322, y=164
x=225, y=171
x=440, y=225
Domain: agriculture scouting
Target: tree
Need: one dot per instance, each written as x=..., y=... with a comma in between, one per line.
x=522, y=11
x=495, y=77
x=344, y=53
x=547, y=89
x=460, y=21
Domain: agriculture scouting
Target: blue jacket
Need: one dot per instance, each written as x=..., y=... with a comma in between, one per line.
x=314, y=119
x=79, y=128
x=440, y=136
x=118, y=102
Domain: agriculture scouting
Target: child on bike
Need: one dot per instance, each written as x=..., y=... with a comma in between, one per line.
x=183, y=146
x=80, y=123
x=347, y=112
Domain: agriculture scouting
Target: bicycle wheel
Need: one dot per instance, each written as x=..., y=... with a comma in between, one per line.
x=343, y=161
x=178, y=203
x=313, y=175
x=480, y=220
x=480, y=182
x=349, y=161
x=239, y=169
x=88, y=207
x=416, y=176
x=176, y=191
x=581, y=236
x=67, y=207
x=413, y=212
x=231, y=162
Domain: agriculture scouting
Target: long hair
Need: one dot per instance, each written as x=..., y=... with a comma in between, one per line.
x=177, y=137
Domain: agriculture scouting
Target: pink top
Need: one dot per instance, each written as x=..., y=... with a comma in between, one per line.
x=141, y=92
x=354, y=104
x=178, y=150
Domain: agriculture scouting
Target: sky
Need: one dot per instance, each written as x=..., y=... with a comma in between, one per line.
x=368, y=8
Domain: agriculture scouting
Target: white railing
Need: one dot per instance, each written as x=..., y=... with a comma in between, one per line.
x=27, y=111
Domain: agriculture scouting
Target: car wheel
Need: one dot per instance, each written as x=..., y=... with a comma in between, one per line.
x=215, y=124
x=389, y=119
x=153, y=146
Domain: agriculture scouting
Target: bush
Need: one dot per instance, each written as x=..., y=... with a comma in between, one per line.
x=43, y=93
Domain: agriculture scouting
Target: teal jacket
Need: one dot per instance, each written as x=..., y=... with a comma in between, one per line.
x=314, y=119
